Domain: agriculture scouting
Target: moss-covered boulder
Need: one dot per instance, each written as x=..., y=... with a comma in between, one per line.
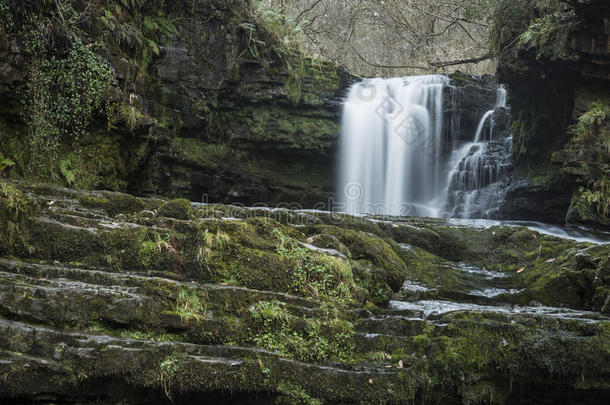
x=177, y=209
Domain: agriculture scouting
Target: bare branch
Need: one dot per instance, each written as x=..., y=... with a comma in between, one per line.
x=461, y=61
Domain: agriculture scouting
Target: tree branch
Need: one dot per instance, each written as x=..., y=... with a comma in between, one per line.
x=302, y=13
x=461, y=61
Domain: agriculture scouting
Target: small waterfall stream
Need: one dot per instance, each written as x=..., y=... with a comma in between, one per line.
x=398, y=156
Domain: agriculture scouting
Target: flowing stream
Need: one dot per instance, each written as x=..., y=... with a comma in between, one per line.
x=399, y=156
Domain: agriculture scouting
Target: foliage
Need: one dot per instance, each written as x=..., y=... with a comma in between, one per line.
x=65, y=87
x=190, y=304
x=6, y=23
x=167, y=371
x=509, y=20
x=14, y=209
x=305, y=338
x=527, y=22
x=67, y=169
x=293, y=394
x=285, y=37
x=593, y=130
x=158, y=251
x=68, y=77
x=597, y=195
x=286, y=30
x=541, y=31
x=540, y=28
x=590, y=125
x=5, y=163
x=211, y=241
x=137, y=27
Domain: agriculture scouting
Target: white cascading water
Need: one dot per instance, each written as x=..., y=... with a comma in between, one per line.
x=391, y=145
x=394, y=158
x=478, y=168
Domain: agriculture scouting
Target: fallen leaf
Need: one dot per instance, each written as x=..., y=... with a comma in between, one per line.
x=521, y=270
x=550, y=260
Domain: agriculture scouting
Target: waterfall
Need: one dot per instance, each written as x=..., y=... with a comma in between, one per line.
x=397, y=157
x=392, y=145
x=479, y=169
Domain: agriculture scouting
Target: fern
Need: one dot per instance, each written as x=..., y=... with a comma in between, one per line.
x=67, y=170
x=5, y=163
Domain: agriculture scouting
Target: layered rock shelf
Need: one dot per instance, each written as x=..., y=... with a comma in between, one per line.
x=105, y=297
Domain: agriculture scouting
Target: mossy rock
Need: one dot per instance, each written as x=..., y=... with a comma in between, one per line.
x=112, y=203
x=177, y=209
x=362, y=245
x=442, y=241
x=15, y=211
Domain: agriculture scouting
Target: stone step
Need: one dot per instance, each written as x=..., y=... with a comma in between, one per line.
x=33, y=353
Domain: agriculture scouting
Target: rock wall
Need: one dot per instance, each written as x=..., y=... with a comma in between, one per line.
x=555, y=68
x=212, y=118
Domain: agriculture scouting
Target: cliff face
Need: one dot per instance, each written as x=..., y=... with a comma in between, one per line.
x=220, y=114
x=251, y=130
x=558, y=72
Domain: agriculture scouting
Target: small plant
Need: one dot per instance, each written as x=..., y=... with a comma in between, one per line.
x=211, y=241
x=13, y=206
x=598, y=195
x=138, y=27
x=285, y=34
x=593, y=130
x=167, y=371
x=158, y=251
x=190, y=304
x=6, y=23
x=67, y=169
x=293, y=394
x=306, y=338
x=316, y=275
x=541, y=30
x=590, y=124
x=5, y=164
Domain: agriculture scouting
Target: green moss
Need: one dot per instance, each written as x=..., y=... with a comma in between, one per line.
x=387, y=266
x=305, y=338
x=100, y=163
x=177, y=209
x=112, y=203
x=15, y=209
x=210, y=155
x=293, y=394
x=190, y=304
